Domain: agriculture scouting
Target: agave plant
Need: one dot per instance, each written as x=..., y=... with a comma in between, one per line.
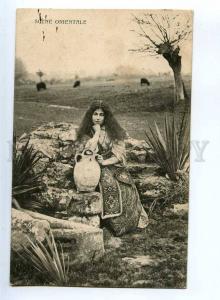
x=47, y=260
x=25, y=181
x=171, y=148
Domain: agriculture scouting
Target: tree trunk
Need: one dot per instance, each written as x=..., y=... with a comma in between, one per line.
x=174, y=60
x=178, y=84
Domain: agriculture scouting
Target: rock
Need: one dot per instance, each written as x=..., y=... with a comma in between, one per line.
x=24, y=136
x=61, y=131
x=151, y=182
x=64, y=161
x=152, y=187
x=57, y=197
x=114, y=242
x=151, y=194
x=54, y=222
x=69, y=135
x=64, y=199
x=138, y=150
x=84, y=243
x=137, y=168
x=46, y=148
x=136, y=144
x=140, y=261
x=85, y=204
x=59, y=175
x=67, y=152
x=41, y=165
x=141, y=283
x=61, y=215
x=89, y=220
x=163, y=242
x=136, y=155
x=24, y=227
x=81, y=242
x=42, y=134
x=48, y=138
x=180, y=209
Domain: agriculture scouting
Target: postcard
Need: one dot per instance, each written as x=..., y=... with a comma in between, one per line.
x=100, y=179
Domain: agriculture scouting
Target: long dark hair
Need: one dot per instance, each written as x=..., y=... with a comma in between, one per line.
x=114, y=130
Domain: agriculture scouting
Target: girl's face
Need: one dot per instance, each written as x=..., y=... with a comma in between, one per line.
x=98, y=117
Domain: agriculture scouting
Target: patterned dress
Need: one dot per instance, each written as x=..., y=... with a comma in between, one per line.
x=121, y=205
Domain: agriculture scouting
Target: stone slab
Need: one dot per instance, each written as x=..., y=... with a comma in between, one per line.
x=86, y=245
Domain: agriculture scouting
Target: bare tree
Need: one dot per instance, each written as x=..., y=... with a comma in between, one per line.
x=163, y=34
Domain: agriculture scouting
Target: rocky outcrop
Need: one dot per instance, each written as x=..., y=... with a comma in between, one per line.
x=56, y=143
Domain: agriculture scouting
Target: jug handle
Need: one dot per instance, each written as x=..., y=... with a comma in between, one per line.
x=78, y=157
x=87, y=149
x=96, y=156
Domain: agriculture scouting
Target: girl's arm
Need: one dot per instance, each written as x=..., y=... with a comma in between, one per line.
x=110, y=161
x=118, y=155
x=93, y=142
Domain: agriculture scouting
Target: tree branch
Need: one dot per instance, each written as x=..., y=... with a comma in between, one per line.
x=162, y=31
x=144, y=33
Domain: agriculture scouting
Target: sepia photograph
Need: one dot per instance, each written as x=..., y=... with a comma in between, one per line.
x=101, y=148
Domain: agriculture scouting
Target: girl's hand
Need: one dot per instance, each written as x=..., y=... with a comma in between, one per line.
x=100, y=160
x=96, y=127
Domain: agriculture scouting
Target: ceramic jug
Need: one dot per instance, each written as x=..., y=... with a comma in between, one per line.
x=87, y=171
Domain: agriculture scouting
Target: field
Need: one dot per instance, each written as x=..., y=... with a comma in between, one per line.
x=133, y=105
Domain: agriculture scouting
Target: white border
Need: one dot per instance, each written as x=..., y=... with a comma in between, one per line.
x=204, y=245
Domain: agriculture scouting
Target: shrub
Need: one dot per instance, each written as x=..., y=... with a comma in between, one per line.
x=171, y=148
x=25, y=181
x=47, y=260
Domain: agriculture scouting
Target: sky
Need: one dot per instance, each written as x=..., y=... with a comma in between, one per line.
x=97, y=48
